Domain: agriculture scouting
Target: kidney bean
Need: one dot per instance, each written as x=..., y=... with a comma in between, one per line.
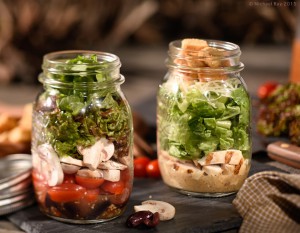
x=143, y=218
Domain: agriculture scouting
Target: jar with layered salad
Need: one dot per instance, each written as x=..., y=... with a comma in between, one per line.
x=82, y=138
x=203, y=119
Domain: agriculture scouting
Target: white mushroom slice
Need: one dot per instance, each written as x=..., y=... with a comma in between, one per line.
x=51, y=164
x=165, y=210
x=91, y=154
x=125, y=160
x=69, y=168
x=89, y=173
x=228, y=169
x=72, y=161
x=212, y=170
x=112, y=165
x=111, y=175
x=107, y=150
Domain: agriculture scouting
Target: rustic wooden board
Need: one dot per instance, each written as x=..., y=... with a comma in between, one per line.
x=192, y=214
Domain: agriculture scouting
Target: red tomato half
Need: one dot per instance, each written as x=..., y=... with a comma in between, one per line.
x=66, y=192
x=266, y=89
x=92, y=195
x=88, y=182
x=153, y=169
x=140, y=165
x=113, y=187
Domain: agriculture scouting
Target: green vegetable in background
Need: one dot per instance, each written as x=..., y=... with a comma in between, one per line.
x=279, y=113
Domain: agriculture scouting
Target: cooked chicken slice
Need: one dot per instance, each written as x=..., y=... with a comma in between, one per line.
x=212, y=170
x=228, y=169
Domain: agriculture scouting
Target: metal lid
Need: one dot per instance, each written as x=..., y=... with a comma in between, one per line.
x=15, y=182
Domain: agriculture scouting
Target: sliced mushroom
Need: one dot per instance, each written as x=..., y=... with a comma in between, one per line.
x=85, y=172
x=70, y=165
x=111, y=175
x=51, y=164
x=107, y=150
x=112, y=165
x=69, y=168
x=166, y=211
x=70, y=160
x=91, y=154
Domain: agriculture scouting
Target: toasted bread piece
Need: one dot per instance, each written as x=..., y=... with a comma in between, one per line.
x=193, y=44
x=26, y=119
x=7, y=122
x=18, y=134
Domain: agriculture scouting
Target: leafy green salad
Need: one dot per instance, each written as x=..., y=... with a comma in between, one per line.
x=80, y=115
x=203, y=117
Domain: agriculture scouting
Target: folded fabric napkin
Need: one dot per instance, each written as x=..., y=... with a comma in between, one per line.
x=269, y=202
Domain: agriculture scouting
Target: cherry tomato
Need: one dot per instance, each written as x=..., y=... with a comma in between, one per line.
x=266, y=89
x=120, y=199
x=66, y=192
x=92, y=195
x=89, y=182
x=153, y=169
x=140, y=165
x=113, y=187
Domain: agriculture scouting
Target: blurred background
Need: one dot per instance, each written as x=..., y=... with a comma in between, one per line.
x=138, y=31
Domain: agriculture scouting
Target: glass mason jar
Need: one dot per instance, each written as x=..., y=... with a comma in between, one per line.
x=203, y=119
x=82, y=138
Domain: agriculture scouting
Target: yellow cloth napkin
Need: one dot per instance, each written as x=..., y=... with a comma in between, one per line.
x=269, y=202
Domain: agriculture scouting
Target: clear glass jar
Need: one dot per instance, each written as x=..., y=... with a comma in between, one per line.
x=203, y=119
x=82, y=138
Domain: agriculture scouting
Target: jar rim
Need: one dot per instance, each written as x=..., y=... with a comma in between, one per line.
x=93, y=67
x=60, y=58
x=230, y=48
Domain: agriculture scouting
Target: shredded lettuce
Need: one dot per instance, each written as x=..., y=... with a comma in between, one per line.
x=205, y=117
x=80, y=117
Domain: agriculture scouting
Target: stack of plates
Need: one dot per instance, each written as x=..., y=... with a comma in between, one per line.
x=16, y=190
